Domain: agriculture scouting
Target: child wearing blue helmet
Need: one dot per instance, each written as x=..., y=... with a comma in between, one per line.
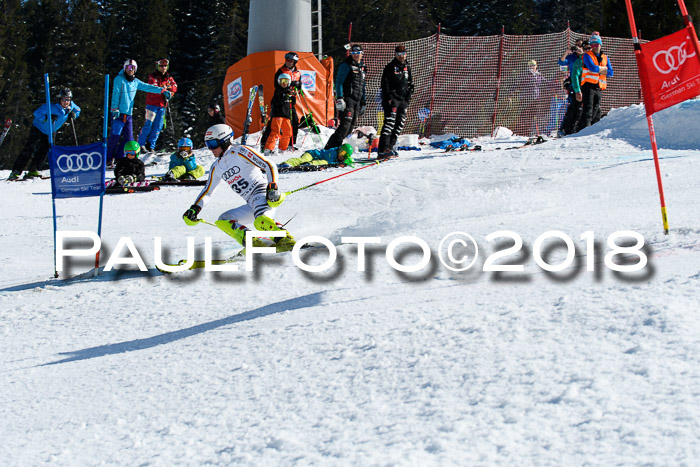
x=183, y=165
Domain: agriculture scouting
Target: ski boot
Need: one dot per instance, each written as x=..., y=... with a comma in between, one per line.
x=32, y=174
x=267, y=224
x=238, y=234
x=14, y=175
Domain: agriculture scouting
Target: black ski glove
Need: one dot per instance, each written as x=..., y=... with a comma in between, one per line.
x=190, y=216
x=72, y=114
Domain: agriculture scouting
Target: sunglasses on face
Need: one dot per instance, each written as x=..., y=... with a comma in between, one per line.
x=400, y=54
x=65, y=99
x=355, y=53
x=212, y=143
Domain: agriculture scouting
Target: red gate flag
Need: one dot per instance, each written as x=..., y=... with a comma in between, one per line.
x=669, y=70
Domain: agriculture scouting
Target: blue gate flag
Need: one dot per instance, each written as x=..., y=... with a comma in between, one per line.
x=77, y=171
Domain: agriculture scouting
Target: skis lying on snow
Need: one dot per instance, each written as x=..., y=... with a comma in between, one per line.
x=122, y=190
x=465, y=147
x=179, y=182
x=307, y=168
x=530, y=142
x=27, y=179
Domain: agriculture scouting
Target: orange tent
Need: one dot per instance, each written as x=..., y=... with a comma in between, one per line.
x=260, y=68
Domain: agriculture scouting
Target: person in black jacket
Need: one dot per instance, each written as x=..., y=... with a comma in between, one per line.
x=130, y=169
x=289, y=68
x=282, y=108
x=215, y=115
x=397, y=87
x=351, y=100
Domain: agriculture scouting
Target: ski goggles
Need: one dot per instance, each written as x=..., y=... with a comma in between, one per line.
x=164, y=62
x=130, y=68
x=130, y=153
x=284, y=82
x=400, y=54
x=291, y=56
x=184, y=148
x=356, y=52
x=212, y=143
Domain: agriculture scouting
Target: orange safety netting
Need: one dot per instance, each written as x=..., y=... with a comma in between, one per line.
x=471, y=85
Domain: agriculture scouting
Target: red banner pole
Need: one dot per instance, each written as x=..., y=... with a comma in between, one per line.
x=650, y=121
x=689, y=24
x=498, y=82
x=432, y=86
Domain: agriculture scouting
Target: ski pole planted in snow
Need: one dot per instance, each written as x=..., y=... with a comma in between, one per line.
x=75, y=135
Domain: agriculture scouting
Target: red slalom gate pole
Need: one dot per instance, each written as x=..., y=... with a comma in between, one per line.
x=650, y=121
x=332, y=178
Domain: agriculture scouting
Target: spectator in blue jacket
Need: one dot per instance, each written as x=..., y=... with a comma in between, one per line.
x=38, y=146
x=570, y=56
x=183, y=165
x=123, y=92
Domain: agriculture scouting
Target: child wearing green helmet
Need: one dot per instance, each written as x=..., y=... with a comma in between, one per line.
x=317, y=157
x=130, y=169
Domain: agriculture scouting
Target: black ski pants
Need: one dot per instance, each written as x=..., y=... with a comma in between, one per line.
x=394, y=120
x=34, y=152
x=592, y=95
x=573, y=115
x=347, y=123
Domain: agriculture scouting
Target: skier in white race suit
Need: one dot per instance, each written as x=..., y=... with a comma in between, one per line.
x=241, y=168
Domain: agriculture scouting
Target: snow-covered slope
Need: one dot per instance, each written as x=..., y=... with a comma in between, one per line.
x=435, y=367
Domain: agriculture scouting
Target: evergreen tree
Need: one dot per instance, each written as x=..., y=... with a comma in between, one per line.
x=15, y=101
x=82, y=69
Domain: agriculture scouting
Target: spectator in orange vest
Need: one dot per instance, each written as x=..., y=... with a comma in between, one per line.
x=596, y=70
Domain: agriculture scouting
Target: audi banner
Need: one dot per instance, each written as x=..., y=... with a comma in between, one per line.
x=669, y=71
x=77, y=171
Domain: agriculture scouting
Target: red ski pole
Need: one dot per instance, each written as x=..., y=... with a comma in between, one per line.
x=329, y=179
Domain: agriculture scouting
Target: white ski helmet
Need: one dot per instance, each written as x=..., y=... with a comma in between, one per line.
x=284, y=76
x=218, y=136
x=130, y=62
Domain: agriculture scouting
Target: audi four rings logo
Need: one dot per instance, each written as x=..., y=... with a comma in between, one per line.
x=82, y=162
x=673, y=58
x=231, y=172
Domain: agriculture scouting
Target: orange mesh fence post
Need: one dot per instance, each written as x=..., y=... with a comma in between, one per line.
x=435, y=69
x=498, y=81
